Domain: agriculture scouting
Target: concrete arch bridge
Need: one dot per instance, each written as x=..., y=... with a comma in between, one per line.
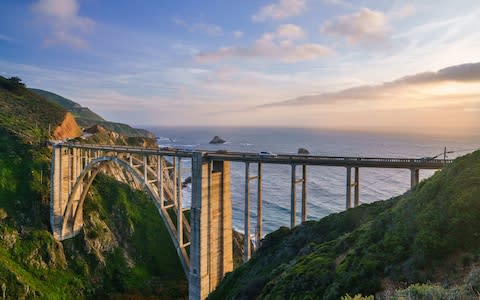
x=203, y=243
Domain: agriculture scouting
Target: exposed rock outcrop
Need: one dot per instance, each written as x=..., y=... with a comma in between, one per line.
x=217, y=140
x=67, y=129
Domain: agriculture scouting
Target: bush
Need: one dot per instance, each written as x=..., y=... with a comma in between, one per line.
x=357, y=297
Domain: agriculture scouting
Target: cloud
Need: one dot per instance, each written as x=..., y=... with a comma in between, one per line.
x=204, y=28
x=414, y=87
x=5, y=38
x=237, y=34
x=362, y=26
x=272, y=45
x=459, y=73
x=64, y=24
x=280, y=10
x=339, y=3
x=405, y=11
x=290, y=32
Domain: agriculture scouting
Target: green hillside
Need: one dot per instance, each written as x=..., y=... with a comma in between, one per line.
x=87, y=118
x=25, y=114
x=430, y=236
x=124, y=249
x=76, y=109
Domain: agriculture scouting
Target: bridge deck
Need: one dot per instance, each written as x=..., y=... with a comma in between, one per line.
x=286, y=159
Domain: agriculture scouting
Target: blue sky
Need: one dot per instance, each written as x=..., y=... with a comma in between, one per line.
x=226, y=62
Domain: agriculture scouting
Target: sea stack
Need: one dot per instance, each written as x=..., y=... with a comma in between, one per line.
x=303, y=151
x=217, y=140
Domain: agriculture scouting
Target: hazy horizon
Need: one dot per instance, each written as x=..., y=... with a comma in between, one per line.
x=410, y=67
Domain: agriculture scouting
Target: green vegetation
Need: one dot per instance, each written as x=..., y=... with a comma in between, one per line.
x=26, y=115
x=431, y=235
x=124, y=250
x=87, y=118
x=76, y=109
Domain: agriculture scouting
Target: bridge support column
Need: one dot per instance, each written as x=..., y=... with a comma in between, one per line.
x=65, y=166
x=246, y=229
x=179, y=205
x=357, y=187
x=293, y=208
x=259, y=205
x=304, y=193
x=414, y=177
x=211, y=255
x=348, y=203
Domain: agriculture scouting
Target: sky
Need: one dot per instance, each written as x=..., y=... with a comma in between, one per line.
x=369, y=64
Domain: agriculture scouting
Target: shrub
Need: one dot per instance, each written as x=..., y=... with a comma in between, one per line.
x=357, y=297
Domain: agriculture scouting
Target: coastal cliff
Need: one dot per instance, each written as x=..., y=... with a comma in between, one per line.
x=67, y=129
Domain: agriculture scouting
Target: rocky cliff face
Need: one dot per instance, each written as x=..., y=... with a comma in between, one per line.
x=67, y=129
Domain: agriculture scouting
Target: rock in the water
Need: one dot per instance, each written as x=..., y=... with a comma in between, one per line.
x=187, y=181
x=303, y=151
x=217, y=140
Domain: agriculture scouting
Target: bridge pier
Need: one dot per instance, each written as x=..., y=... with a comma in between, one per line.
x=259, y=206
x=356, y=186
x=211, y=254
x=293, y=195
x=414, y=178
x=246, y=226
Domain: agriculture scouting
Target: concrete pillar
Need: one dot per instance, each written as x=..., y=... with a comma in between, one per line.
x=357, y=187
x=55, y=192
x=69, y=168
x=304, y=193
x=259, y=205
x=349, y=188
x=145, y=169
x=206, y=270
x=161, y=193
x=179, y=207
x=414, y=178
x=293, y=209
x=174, y=180
x=246, y=229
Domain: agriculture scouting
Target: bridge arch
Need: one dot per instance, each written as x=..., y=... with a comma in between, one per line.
x=72, y=218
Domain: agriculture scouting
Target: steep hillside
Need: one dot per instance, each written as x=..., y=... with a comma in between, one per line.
x=73, y=107
x=25, y=114
x=431, y=235
x=87, y=118
x=124, y=250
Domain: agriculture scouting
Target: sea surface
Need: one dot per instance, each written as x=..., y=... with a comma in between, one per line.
x=326, y=185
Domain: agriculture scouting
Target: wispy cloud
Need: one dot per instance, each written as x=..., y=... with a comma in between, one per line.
x=404, y=11
x=204, y=28
x=65, y=25
x=237, y=34
x=5, y=38
x=364, y=25
x=290, y=32
x=278, y=45
x=279, y=10
x=420, y=86
x=341, y=3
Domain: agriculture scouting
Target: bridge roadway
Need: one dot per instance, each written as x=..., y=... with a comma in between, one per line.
x=285, y=159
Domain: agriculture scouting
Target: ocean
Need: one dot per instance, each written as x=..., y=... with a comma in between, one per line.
x=325, y=185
